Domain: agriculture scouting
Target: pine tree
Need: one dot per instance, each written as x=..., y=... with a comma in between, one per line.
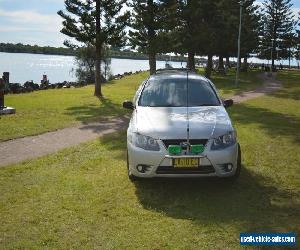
x=279, y=24
x=146, y=25
x=85, y=60
x=169, y=23
x=164, y=26
x=226, y=30
x=97, y=23
x=189, y=31
x=251, y=26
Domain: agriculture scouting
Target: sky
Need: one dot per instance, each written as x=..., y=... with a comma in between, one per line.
x=36, y=21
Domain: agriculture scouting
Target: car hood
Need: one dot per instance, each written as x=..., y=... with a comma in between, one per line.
x=171, y=123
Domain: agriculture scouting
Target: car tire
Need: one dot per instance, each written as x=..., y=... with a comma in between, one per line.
x=239, y=166
x=130, y=175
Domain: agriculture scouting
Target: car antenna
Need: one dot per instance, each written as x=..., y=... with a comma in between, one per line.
x=187, y=109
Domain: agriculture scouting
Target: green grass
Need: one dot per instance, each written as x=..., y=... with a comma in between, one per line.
x=226, y=84
x=81, y=198
x=49, y=110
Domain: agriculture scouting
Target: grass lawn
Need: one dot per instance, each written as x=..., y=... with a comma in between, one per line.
x=226, y=84
x=43, y=111
x=48, y=110
x=81, y=197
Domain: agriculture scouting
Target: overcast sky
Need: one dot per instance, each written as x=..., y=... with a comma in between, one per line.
x=36, y=21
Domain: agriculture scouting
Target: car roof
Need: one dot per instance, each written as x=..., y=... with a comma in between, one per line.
x=177, y=73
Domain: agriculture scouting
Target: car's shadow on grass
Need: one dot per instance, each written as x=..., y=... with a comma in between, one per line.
x=209, y=201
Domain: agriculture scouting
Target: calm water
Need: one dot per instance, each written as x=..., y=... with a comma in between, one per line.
x=24, y=67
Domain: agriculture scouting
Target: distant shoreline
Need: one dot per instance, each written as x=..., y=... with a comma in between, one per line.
x=25, y=52
x=116, y=57
x=61, y=51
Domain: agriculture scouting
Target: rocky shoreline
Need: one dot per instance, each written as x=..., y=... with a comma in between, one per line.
x=30, y=86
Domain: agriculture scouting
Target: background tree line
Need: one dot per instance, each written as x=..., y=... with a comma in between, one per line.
x=186, y=27
x=35, y=49
x=65, y=51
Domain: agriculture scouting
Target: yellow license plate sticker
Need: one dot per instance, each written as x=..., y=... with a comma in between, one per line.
x=186, y=162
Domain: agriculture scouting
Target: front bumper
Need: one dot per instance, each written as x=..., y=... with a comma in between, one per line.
x=159, y=164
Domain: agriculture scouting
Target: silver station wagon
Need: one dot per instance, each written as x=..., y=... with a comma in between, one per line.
x=180, y=128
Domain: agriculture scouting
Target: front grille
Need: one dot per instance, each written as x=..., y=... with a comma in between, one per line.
x=167, y=143
x=172, y=170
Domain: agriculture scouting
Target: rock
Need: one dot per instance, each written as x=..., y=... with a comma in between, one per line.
x=30, y=86
x=7, y=111
x=59, y=85
x=15, y=88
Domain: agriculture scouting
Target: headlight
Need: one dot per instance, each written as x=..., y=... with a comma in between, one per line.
x=224, y=141
x=144, y=142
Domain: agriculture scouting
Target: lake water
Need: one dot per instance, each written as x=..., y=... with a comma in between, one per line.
x=24, y=67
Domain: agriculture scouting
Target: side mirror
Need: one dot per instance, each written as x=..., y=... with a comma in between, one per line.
x=128, y=105
x=228, y=103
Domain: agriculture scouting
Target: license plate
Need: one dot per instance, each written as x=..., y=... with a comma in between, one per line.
x=186, y=162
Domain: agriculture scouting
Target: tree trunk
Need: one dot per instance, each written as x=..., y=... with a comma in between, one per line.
x=227, y=62
x=273, y=64
x=208, y=66
x=221, y=64
x=152, y=62
x=273, y=52
x=240, y=62
x=151, y=37
x=245, y=64
x=98, y=91
x=1, y=93
x=191, y=60
x=289, y=57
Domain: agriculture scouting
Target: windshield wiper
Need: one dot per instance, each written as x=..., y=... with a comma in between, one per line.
x=209, y=104
x=164, y=106
x=173, y=106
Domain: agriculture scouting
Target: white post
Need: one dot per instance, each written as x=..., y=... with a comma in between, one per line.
x=239, y=47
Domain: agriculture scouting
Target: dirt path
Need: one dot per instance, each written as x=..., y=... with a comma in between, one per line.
x=30, y=147
x=270, y=85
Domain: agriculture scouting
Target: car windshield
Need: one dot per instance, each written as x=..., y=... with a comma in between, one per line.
x=173, y=93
